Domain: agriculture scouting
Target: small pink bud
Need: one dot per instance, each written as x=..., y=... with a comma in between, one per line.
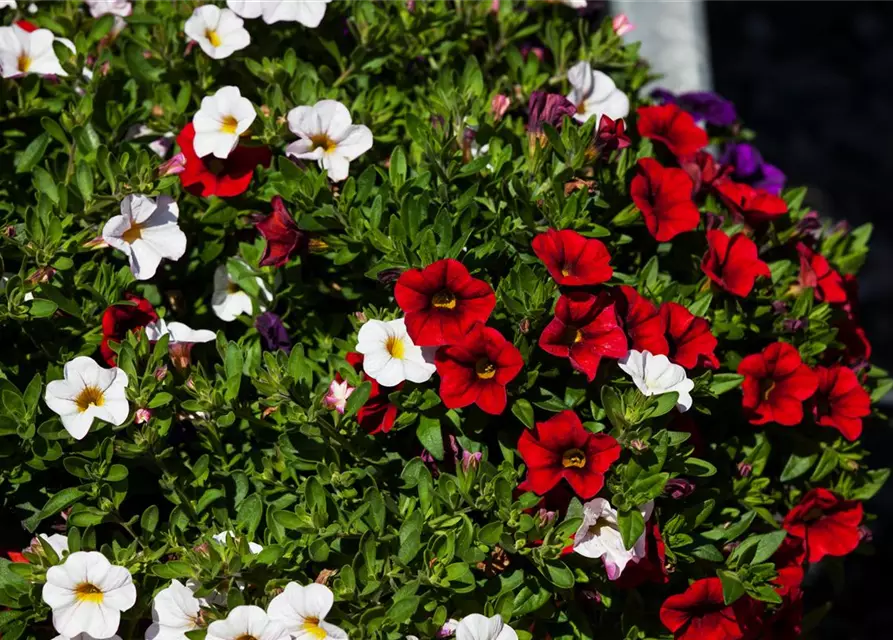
x=174, y=166
x=499, y=105
x=161, y=372
x=142, y=416
x=545, y=516
x=638, y=445
x=622, y=25
x=494, y=6
x=471, y=460
x=359, y=315
x=745, y=469
x=96, y=243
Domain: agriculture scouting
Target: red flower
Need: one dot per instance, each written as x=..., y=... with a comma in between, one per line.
x=755, y=206
x=611, y=135
x=664, y=198
x=828, y=525
x=703, y=170
x=563, y=448
x=26, y=25
x=700, y=613
x=584, y=330
x=840, y=401
x=786, y=623
x=378, y=414
x=691, y=343
x=210, y=176
x=476, y=369
x=120, y=319
x=856, y=347
x=442, y=302
x=17, y=556
x=572, y=259
x=732, y=263
x=672, y=126
x=652, y=568
x=788, y=560
x=281, y=233
x=815, y=272
x=776, y=382
x=641, y=320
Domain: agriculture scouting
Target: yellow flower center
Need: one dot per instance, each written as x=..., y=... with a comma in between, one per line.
x=24, y=62
x=324, y=142
x=311, y=627
x=229, y=125
x=444, y=300
x=395, y=347
x=232, y=288
x=212, y=37
x=573, y=458
x=485, y=369
x=246, y=636
x=89, y=397
x=134, y=233
x=86, y=592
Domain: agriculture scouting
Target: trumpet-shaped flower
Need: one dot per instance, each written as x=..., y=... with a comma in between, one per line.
x=308, y=12
x=655, y=375
x=219, y=32
x=230, y=301
x=220, y=121
x=389, y=354
x=326, y=134
x=599, y=536
x=247, y=622
x=175, y=611
x=23, y=51
x=302, y=610
x=147, y=231
x=595, y=94
x=479, y=627
x=88, y=391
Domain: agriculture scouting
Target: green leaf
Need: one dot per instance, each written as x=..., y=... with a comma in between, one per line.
x=140, y=68
x=410, y=538
x=723, y=382
x=428, y=433
x=491, y=533
x=52, y=127
x=403, y=609
x=32, y=154
x=54, y=505
x=358, y=398
x=732, y=587
x=84, y=179
x=797, y=465
x=250, y=513
x=768, y=545
x=559, y=575
x=632, y=525
x=523, y=410
x=149, y=519
x=827, y=463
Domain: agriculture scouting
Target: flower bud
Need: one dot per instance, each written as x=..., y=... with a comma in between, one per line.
x=142, y=416
x=678, y=488
x=499, y=105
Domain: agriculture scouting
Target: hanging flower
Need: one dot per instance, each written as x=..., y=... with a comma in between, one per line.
x=776, y=382
x=828, y=525
x=24, y=51
x=664, y=197
x=247, y=621
x=87, y=594
x=641, y=320
x=88, y=391
x=754, y=206
x=655, y=375
x=547, y=108
x=378, y=414
x=390, y=355
x=573, y=259
x=840, y=402
x=272, y=332
x=120, y=319
x=338, y=394
x=561, y=448
x=307, y=12
x=442, y=302
x=673, y=127
x=476, y=370
x=326, y=134
x=478, y=627
x=219, y=32
x=213, y=177
x=282, y=235
x=230, y=301
x=180, y=341
x=700, y=613
x=599, y=536
x=220, y=121
x=584, y=329
x=816, y=273
x=175, y=611
x=147, y=231
x=732, y=263
x=302, y=610
x=691, y=343
x=593, y=93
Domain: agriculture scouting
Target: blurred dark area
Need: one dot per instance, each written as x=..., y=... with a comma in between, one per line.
x=812, y=78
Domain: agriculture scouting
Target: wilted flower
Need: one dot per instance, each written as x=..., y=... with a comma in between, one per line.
x=678, y=488
x=499, y=105
x=272, y=332
x=174, y=166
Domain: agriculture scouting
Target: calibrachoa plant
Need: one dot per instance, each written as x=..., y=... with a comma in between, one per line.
x=408, y=320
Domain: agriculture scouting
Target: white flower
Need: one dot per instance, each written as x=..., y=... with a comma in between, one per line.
x=477, y=627
x=326, y=135
x=179, y=333
x=57, y=541
x=308, y=12
x=574, y=4
x=147, y=231
x=655, y=375
x=87, y=594
x=24, y=52
x=85, y=636
x=594, y=93
x=220, y=121
x=390, y=357
x=219, y=32
x=246, y=621
x=99, y=8
x=221, y=537
x=7, y=4
x=338, y=394
x=599, y=537
x=302, y=611
x=174, y=612
x=87, y=392
x=229, y=301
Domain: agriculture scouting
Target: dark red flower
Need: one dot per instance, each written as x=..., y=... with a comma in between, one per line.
x=691, y=343
x=16, y=556
x=828, y=525
x=732, y=263
x=378, y=414
x=700, y=613
x=281, y=233
x=572, y=259
x=562, y=448
x=611, y=135
x=856, y=347
x=786, y=622
x=652, y=568
x=476, y=370
x=210, y=176
x=641, y=320
x=120, y=319
x=547, y=108
x=664, y=198
x=672, y=126
x=754, y=206
x=840, y=401
x=703, y=170
x=776, y=383
x=584, y=329
x=815, y=272
x=788, y=560
x=442, y=302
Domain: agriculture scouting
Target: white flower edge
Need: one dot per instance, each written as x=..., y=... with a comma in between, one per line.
x=87, y=392
x=389, y=355
x=302, y=611
x=654, y=375
x=595, y=94
x=479, y=627
x=599, y=536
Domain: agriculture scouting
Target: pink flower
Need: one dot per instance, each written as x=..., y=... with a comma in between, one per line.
x=174, y=166
x=499, y=105
x=338, y=394
x=142, y=416
x=622, y=25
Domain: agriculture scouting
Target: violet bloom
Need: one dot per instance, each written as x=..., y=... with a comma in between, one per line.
x=678, y=488
x=748, y=166
x=547, y=108
x=702, y=105
x=272, y=332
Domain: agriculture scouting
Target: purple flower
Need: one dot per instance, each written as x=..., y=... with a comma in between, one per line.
x=702, y=105
x=678, y=488
x=748, y=167
x=272, y=332
x=547, y=108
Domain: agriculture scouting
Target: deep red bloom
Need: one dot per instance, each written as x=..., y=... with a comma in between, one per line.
x=828, y=525
x=691, y=343
x=840, y=401
x=664, y=198
x=548, y=108
x=476, y=369
x=755, y=206
x=786, y=623
x=584, y=329
x=442, y=302
x=856, y=347
x=815, y=272
x=281, y=233
x=776, y=382
x=788, y=560
x=16, y=556
x=210, y=176
x=672, y=126
x=563, y=448
x=700, y=613
x=652, y=568
x=703, y=169
x=641, y=320
x=378, y=414
x=732, y=263
x=611, y=135
x=572, y=259
x=120, y=319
